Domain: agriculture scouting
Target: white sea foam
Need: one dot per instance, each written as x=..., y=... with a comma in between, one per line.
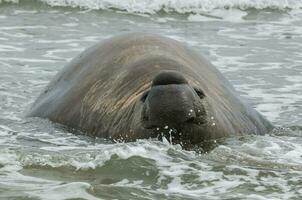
x=180, y=6
x=65, y=191
x=90, y=160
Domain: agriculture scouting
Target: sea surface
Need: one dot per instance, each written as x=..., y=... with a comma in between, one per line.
x=256, y=44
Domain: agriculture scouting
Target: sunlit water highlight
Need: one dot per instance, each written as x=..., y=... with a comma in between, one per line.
x=258, y=51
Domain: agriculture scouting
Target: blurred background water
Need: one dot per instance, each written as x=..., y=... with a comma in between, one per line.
x=255, y=44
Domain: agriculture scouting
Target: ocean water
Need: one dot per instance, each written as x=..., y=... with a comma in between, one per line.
x=256, y=44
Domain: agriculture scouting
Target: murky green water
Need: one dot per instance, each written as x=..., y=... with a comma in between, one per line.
x=258, y=51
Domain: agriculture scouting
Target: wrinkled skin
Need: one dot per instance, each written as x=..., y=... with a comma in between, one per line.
x=140, y=86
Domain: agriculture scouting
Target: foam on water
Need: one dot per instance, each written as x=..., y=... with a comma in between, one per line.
x=254, y=162
x=258, y=52
x=180, y=6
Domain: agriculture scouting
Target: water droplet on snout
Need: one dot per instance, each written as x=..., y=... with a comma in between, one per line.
x=170, y=137
x=165, y=141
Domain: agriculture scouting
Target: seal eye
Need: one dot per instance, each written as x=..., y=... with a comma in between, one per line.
x=144, y=96
x=200, y=93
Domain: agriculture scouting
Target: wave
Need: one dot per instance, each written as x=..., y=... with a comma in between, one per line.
x=178, y=6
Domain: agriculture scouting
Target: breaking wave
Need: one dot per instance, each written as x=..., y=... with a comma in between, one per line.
x=179, y=6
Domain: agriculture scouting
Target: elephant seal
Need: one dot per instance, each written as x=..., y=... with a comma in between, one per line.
x=138, y=86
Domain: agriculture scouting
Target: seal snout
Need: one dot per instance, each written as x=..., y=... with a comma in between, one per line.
x=171, y=102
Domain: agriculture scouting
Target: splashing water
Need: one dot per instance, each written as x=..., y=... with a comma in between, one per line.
x=259, y=51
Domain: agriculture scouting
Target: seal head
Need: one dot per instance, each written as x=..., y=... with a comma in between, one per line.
x=138, y=86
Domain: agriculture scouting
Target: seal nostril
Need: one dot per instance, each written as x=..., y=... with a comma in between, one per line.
x=200, y=93
x=191, y=119
x=144, y=96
